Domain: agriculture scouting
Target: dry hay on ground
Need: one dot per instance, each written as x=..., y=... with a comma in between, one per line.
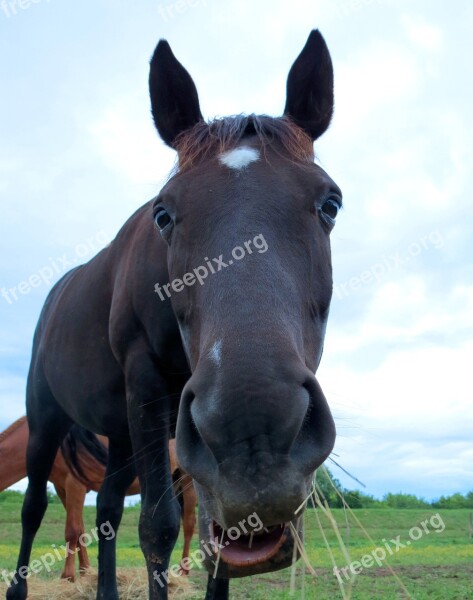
x=132, y=585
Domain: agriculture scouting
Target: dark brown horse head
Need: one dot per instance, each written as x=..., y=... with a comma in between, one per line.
x=247, y=218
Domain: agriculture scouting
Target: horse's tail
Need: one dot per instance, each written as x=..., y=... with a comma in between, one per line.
x=78, y=444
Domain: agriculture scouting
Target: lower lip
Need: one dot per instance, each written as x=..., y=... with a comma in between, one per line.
x=247, y=550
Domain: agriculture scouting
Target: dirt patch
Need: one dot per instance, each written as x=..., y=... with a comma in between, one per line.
x=132, y=585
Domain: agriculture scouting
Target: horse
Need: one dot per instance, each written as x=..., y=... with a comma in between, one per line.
x=78, y=468
x=204, y=318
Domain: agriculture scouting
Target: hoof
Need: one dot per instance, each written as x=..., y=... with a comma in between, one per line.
x=17, y=592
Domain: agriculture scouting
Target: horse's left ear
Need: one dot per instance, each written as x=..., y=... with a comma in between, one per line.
x=174, y=99
x=309, y=100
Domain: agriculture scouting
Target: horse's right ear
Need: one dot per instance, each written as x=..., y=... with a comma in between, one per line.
x=174, y=99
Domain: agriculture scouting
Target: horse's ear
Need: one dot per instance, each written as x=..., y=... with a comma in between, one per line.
x=174, y=99
x=309, y=100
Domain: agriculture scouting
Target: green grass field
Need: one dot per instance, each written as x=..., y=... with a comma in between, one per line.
x=437, y=566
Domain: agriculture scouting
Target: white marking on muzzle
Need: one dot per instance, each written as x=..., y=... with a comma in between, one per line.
x=239, y=158
x=215, y=353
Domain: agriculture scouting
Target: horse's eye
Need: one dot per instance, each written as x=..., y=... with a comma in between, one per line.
x=162, y=219
x=329, y=209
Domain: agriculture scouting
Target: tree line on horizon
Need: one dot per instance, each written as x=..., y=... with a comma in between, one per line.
x=333, y=491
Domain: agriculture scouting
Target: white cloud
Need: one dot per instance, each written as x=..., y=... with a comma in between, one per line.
x=409, y=415
x=425, y=35
x=127, y=141
x=401, y=312
x=369, y=83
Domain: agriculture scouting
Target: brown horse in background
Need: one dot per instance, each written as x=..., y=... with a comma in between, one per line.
x=77, y=470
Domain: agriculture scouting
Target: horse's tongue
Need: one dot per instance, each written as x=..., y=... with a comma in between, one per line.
x=249, y=549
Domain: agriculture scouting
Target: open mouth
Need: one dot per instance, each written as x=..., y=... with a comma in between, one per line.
x=240, y=549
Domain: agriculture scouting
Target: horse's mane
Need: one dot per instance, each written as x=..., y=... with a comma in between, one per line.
x=12, y=428
x=206, y=140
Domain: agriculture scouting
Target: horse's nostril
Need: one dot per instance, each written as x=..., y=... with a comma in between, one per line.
x=193, y=454
x=317, y=435
x=310, y=408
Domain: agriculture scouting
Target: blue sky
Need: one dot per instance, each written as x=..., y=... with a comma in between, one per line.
x=78, y=154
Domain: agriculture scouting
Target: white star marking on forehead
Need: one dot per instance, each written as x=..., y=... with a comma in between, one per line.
x=239, y=158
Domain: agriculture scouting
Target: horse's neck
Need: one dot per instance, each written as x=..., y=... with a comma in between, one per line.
x=13, y=453
x=20, y=424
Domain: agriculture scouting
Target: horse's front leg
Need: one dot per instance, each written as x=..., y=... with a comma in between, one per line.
x=149, y=421
x=217, y=589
